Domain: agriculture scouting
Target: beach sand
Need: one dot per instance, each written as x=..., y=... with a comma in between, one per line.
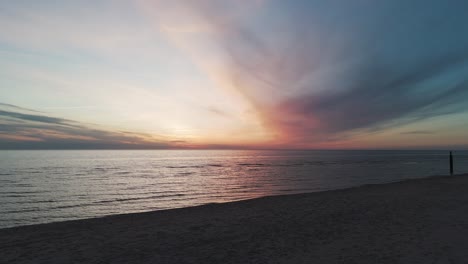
x=415, y=221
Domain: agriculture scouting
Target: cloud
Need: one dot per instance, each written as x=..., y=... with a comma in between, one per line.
x=17, y=107
x=112, y=33
x=217, y=111
x=20, y=130
x=380, y=98
x=331, y=73
x=36, y=118
x=418, y=132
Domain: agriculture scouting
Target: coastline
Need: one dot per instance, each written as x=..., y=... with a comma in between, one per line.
x=411, y=221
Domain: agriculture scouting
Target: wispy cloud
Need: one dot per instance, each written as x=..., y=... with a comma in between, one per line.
x=19, y=130
x=324, y=79
x=418, y=132
x=36, y=118
x=53, y=27
x=9, y=106
x=218, y=112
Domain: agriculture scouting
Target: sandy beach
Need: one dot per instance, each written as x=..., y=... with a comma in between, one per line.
x=415, y=221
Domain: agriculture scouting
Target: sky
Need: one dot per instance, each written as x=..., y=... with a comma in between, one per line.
x=257, y=74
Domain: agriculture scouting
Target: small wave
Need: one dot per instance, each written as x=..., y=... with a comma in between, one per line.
x=22, y=185
x=51, y=168
x=272, y=165
x=316, y=163
x=214, y=165
x=31, y=202
x=184, y=167
x=122, y=172
x=19, y=195
x=32, y=171
x=290, y=165
x=140, y=198
x=185, y=173
x=145, y=193
x=23, y=192
x=27, y=210
x=252, y=164
x=16, y=196
x=97, y=203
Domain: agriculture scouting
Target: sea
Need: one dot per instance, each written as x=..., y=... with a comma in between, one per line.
x=50, y=185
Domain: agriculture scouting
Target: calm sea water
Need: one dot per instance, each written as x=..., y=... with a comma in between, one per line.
x=47, y=186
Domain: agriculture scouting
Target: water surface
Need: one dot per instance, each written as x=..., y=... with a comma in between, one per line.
x=47, y=186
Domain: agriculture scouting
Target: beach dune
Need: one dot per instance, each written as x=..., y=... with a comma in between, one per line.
x=415, y=221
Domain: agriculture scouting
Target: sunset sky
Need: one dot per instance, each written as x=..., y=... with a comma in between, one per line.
x=307, y=74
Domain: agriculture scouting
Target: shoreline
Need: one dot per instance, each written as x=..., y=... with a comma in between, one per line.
x=243, y=200
x=240, y=201
x=409, y=221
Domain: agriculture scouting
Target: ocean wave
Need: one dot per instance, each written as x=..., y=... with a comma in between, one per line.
x=31, y=202
x=185, y=173
x=122, y=172
x=252, y=164
x=185, y=167
x=214, y=165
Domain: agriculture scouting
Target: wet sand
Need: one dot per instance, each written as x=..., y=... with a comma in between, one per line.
x=416, y=221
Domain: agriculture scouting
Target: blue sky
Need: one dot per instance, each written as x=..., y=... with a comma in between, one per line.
x=233, y=74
